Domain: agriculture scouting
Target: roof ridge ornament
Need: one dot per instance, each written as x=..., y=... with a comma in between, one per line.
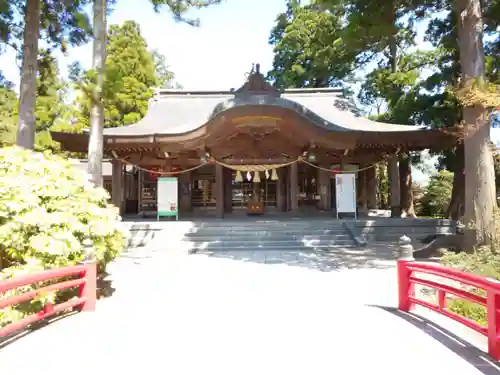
x=256, y=84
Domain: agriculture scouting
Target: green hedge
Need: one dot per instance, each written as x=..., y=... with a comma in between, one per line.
x=485, y=261
x=48, y=209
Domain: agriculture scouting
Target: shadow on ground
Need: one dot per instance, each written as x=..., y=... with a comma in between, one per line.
x=105, y=287
x=465, y=350
x=333, y=259
x=18, y=335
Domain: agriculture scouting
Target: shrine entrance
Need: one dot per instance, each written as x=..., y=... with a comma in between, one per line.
x=308, y=187
x=245, y=191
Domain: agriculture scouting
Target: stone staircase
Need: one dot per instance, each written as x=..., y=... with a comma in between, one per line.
x=390, y=230
x=241, y=235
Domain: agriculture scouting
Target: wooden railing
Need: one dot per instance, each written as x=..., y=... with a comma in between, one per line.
x=86, y=281
x=489, y=297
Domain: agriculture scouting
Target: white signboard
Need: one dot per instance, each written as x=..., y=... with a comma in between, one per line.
x=168, y=197
x=345, y=193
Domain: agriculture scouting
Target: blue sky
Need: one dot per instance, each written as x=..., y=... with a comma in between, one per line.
x=216, y=55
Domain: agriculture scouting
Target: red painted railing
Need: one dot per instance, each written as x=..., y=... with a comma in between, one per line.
x=407, y=299
x=86, y=300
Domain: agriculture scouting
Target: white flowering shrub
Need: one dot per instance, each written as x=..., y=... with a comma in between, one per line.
x=47, y=210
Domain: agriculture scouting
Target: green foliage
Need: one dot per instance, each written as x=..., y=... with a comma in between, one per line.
x=437, y=194
x=51, y=111
x=38, y=222
x=308, y=49
x=45, y=227
x=130, y=75
x=484, y=261
x=50, y=106
x=62, y=23
x=179, y=8
x=8, y=107
x=164, y=76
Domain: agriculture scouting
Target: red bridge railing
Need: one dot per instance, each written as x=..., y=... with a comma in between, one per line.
x=86, y=299
x=491, y=301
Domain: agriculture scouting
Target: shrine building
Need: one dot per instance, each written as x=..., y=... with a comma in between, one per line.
x=254, y=149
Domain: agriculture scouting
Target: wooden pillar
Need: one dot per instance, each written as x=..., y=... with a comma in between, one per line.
x=362, y=181
x=342, y=165
x=394, y=191
x=185, y=190
x=281, y=190
x=294, y=187
x=117, y=184
x=219, y=190
x=228, y=190
x=371, y=188
x=324, y=189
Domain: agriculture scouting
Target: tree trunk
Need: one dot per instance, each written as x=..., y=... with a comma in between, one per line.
x=480, y=189
x=95, y=154
x=456, y=207
x=405, y=186
x=26, y=127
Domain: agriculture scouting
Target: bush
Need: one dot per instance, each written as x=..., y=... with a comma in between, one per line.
x=47, y=210
x=437, y=195
x=484, y=261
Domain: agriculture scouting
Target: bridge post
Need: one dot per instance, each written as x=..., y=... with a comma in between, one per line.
x=89, y=289
x=406, y=289
x=405, y=248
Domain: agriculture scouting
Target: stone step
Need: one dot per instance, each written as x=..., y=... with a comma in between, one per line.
x=269, y=248
x=244, y=240
x=265, y=231
x=405, y=230
x=260, y=244
x=265, y=237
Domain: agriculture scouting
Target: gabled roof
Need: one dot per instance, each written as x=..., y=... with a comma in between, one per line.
x=174, y=112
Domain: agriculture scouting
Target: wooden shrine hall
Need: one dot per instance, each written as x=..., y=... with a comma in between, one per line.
x=255, y=149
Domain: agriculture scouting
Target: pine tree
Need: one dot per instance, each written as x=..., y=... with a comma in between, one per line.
x=58, y=23
x=50, y=107
x=129, y=78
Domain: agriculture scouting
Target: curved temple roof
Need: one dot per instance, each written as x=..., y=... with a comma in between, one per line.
x=174, y=112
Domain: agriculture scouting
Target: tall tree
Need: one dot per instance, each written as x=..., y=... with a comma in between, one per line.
x=179, y=9
x=480, y=194
x=95, y=152
x=439, y=107
x=164, y=75
x=27, y=123
x=308, y=48
x=380, y=31
x=399, y=89
x=56, y=22
x=50, y=96
x=130, y=75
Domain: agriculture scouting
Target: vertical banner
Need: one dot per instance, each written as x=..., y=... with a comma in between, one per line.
x=345, y=188
x=168, y=197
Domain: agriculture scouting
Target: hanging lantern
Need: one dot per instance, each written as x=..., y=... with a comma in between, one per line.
x=267, y=174
x=256, y=177
x=239, y=177
x=249, y=176
x=274, y=175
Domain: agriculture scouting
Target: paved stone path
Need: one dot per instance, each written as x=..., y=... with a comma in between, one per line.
x=245, y=313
